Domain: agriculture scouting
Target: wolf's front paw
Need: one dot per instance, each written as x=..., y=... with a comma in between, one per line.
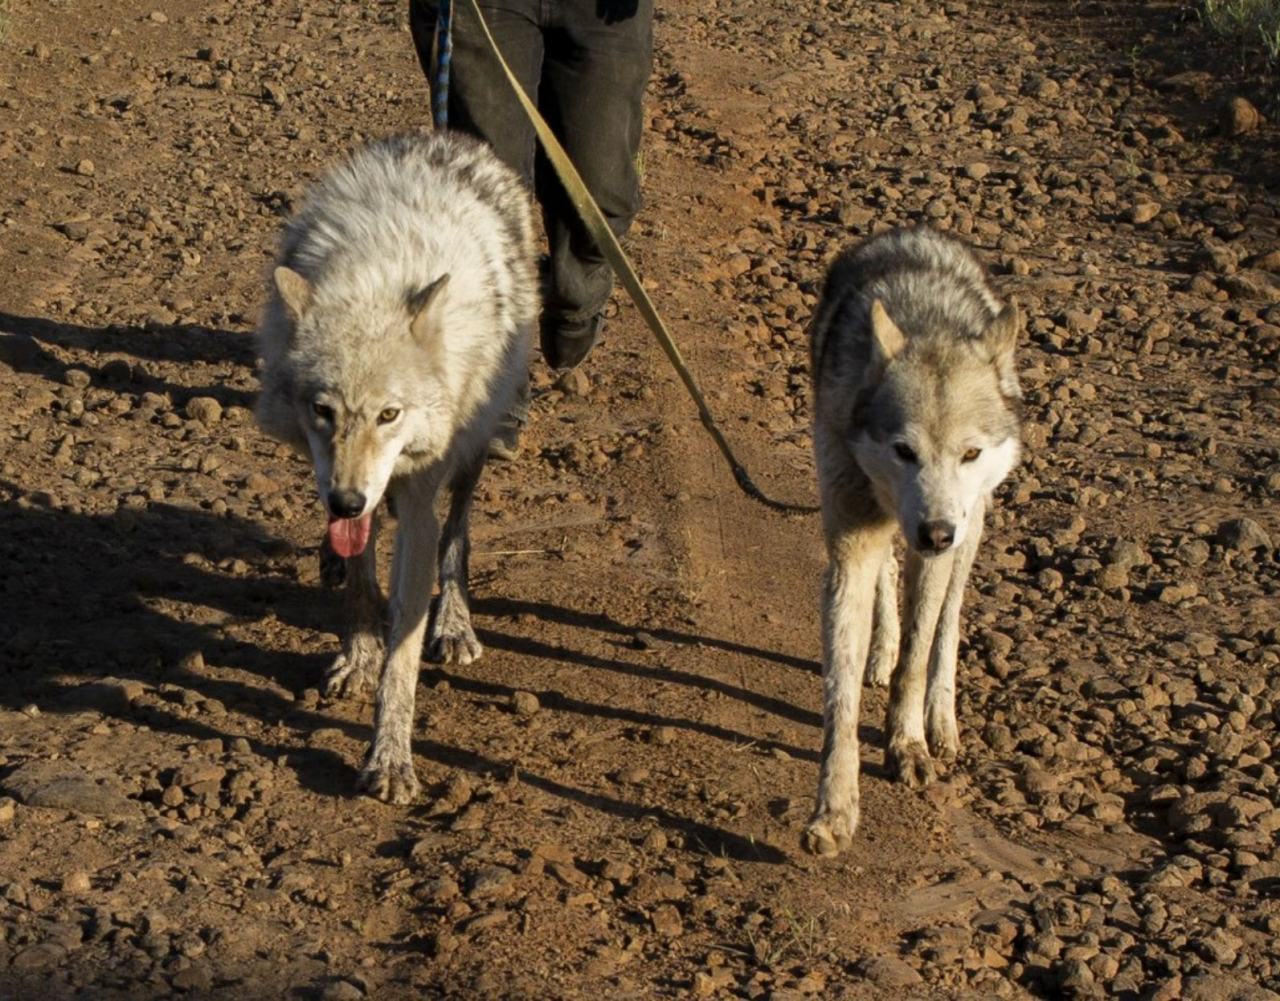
x=943, y=735
x=455, y=649
x=908, y=762
x=390, y=778
x=356, y=671
x=830, y=832
x=880, y=668
x=453, y=641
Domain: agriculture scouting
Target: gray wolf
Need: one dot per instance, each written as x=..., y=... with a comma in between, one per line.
x=395, y=336
x=588, y=62
x=915, y=425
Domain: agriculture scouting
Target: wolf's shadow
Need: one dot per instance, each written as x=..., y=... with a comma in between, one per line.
x=35, y=345
x=132, y=593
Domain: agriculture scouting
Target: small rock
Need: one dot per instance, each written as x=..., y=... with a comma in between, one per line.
x=1239, y=117
x=77, y=231
x=1143, y=212
x=618, y=872
x=490, y=882
x=574, y=383
x=655, y=842
x=1215, y=257
x=642, y=640
x=1038, y=782
x=1112, y=576
x=1171, y=594
x=1127, y=554
x=63, y=786
x=1244, y=534
x=1253, y=285
x=1268, y=261
x=525, y=703
x=889, y=972
x=1050, y=580
x=472, y=818
x=8, y=810
x=552, y=852
x=666, y=921
x=155, y=922
x=117, y=370
x=1194, y=553
x=1192, y=812
x=44, y=956
x=1043, y=87
x=341, y=990
x=567, y=873
x=204, y=409
x=439, y=890
x=75, y=882
x=109, y=695
x=85, y=168
x=255, y=482
x=1075, y=977
x=1209, y=987
x=195, y=979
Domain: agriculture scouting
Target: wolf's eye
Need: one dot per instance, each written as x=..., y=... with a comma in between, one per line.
x=970, y=455
x=904, y=452
x=388, y=415
x=323, y=412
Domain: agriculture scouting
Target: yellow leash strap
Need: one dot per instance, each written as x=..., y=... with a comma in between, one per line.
x=608, y=243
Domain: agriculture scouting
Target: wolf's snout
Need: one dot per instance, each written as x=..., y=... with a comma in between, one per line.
x=936, y=536
x=346, y=503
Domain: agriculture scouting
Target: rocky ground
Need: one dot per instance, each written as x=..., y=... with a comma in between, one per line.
x=616, y=790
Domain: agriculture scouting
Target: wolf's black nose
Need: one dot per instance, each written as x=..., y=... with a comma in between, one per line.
x=346, y=503
x=937, y=536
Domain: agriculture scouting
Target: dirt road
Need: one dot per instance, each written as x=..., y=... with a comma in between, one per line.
x=177, y=811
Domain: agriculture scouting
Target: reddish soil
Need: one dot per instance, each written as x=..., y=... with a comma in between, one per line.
x=176, y=800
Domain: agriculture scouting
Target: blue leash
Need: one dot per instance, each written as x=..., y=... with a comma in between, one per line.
x=444, y=56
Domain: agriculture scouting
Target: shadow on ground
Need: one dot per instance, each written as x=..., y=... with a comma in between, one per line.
x=134, y=594
x=36, y=346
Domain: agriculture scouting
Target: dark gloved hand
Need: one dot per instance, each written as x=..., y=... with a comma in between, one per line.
x=613, y=11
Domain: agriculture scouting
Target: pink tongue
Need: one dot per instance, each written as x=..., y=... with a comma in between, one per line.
x=349, y=536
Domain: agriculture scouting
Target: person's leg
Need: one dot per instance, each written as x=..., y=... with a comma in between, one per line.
x=598, y=59
x=481, y=104
x=480, y=99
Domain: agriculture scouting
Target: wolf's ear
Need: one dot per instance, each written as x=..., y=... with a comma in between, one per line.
x=295, y=292
x=425, y=309
x=1001, y=338
x=886, y=339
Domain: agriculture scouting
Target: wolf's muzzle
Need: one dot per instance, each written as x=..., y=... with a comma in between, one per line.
x=346, y=503
x=936, y=536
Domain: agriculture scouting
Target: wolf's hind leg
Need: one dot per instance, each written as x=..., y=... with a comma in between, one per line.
x=357, y=668
x=940, y=698
x=453, y=641
x=908, y=756
x=885, y=629
x=846, y=632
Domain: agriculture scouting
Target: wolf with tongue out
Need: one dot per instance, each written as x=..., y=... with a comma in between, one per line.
x=394, y=340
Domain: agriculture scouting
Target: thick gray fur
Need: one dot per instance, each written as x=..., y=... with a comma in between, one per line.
x=915, y=425
x=395, y=337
